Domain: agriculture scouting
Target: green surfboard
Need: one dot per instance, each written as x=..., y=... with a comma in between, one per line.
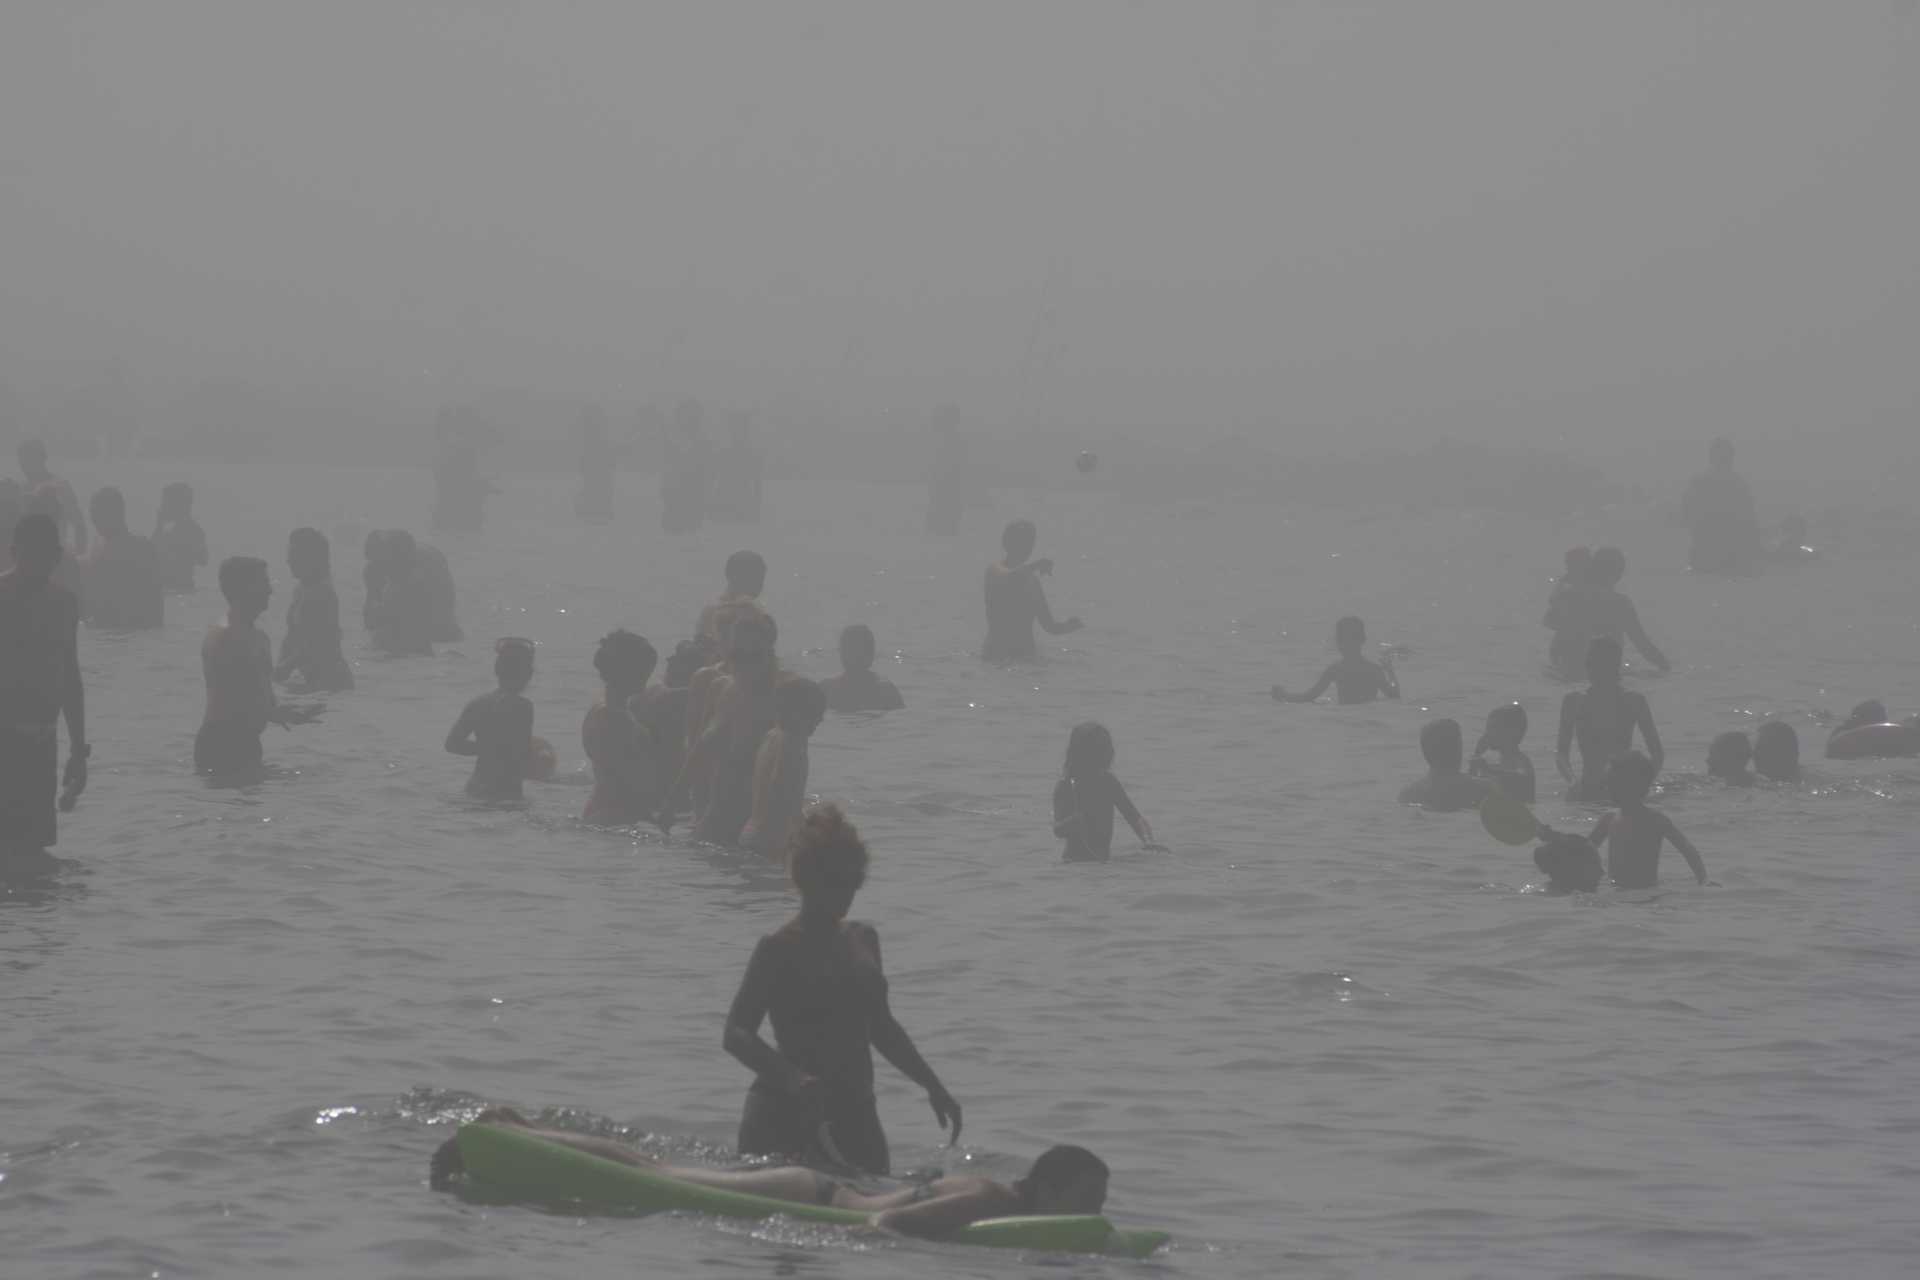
x=520, y=1166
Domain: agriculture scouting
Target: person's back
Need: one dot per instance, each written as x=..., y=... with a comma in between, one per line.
x=1601, y=720
x=122, y=572
x=1509, y=770
x=1719, y=514
x=1088, y=796
x=617, y=736
x=311, y=648
x=237, y=660
x=1015, y=600
x=435, y=577
x=178, y=541
x=399, y=602
x=1354, y=677
x=1633, y=832
x=781, y=766
x=857, y=688
x=496, y=728
x=1596, y=609
x=1445, y=789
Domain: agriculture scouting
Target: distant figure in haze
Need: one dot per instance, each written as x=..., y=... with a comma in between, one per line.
x=781, y=766
x=68, y=571
x=400, y=609
x=1571, y=863
x=1776, y=752
x=459, y=494
x=746, y=579
x=1579, y=566
x=13, y=508
x=739, y=475
x=1728, y=758
x=435, y=577
x=688, y=474
x=1354, y=676
x=624, y=751
x=1088, y=795
x=179, y=540
x=33, y=465
x=1869, y=733
x=497, y=728
x=121, y=572
x=818, y=978
x=598, y=462
x=1633, y=832
x=1594, y=607
x=237, y=659
x=1509, y=770
x=856, y=688
x=665, y=710
x=1718, y=512
x=39, y=683
x=743, y=708
x=1601, y=719
x=1016, y=600
x=311, y=650
x=1445, y=789
x=948, y=479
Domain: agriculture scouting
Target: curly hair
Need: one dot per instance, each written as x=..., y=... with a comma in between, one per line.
x=826, y=849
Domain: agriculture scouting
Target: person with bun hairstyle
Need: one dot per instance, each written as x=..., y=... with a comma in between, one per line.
x=818, y=979
x=625, y=755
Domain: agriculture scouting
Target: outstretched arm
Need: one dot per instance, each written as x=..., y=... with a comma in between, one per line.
x=1687, y=851
x=1643, y=716
x=1320, y=686
x=1043, y=612
x=1638, y=634
x=1124, y=804
x=939, y=1218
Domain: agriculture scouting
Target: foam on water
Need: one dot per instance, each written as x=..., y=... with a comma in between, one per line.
x=1325, y=1036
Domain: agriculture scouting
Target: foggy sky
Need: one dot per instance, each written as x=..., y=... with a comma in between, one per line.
x=1501, y=220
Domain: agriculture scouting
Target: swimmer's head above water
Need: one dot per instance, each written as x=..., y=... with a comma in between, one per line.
x=246, y=586
x=1608, y=566
x=1350, y=635
x=1776, y=751
x=751, y=640
x=1018, y=540
x=625, y=660
x=1064, y=1180
x=799, y=705
x=1089, y=751
x=1506, y=726
x=1728, y=756
x=746, y=573
x=828, y=862
x=1630, y=778
x=857, y=647
x=309, y=558
x=688, y=657
x=513, y=663
x=1443, y=745
x=108, y=508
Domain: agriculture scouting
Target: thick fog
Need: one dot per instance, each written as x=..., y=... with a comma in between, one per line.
x=1603, y=228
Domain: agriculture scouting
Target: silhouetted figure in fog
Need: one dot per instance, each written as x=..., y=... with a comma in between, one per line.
x=947, y=478
x=618, y=741
x=1088, y=795
x=1593, y=608
x=739, y=475
x=1728, y=758
x=1445, y=789
x=497, y=728
x=818, y=978
x=781, y=766
x=459, y=492
x=39, y=683
x=599, y=462
x=399, y=612
x=746, y=573
x=121, y=574
x=435, y=576
x=311, y=650
x=1718, y=512
x=1509, y=770
x=687, y=477
x=1353, y=676
x=1016, y=601
x=72, y=524
x=1601, y=720
x=742, y=709
x=857, y=688
x=1633, y=832
x=237, y=659
x=1579, y=569
x=178, y=540
x=1776, y=752
x=13, y=507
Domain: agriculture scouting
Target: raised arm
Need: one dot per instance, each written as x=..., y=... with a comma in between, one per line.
x=1687, y=851
x=749, y=1009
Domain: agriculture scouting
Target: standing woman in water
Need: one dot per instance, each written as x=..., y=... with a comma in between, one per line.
x=818, y=979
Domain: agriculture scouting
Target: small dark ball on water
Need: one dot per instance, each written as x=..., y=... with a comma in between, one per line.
x=1086, y=462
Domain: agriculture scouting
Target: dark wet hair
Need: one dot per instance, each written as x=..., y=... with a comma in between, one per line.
x=687, y=657
x=513, y=661
x=1089, y=750
x=621, y=648
x=1776, y=749
x=1729, y=753
x=1349, y=626
x=858, y=633
x=110, y=501
x=1442, y=743
x=235, y=572
x=1057, y=1167
x=309, y=548
x=1633, y=766
x=1872, y=711
x=826, y=849
x=1510, y=713
x=747, y=570
x=798, y=698
x=1019, y=537
x=36, y=528
x=1608, y=565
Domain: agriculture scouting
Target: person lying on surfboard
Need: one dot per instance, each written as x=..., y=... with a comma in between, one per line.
x=1064, y=1180
x=818, y=980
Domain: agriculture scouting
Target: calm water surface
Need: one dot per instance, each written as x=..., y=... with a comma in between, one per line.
x=1326, y=1036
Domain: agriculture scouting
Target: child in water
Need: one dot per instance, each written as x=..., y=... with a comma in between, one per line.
x=780, y=766
x=1728, y=758
x=237, y=658
x=856, y=688
x=1601, y=719
x=180, y=542
x=1634, y=831
x=1087, y=795
x=497, y=727
x=1510, y=770
x=623, y=749
x=1445, y=789
x=1354, y=676
x=311, y=649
